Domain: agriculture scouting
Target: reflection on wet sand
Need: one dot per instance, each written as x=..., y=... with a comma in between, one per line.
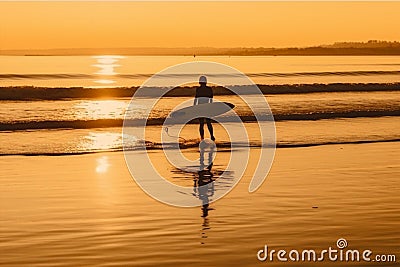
x=208, y=178
x=203, y=187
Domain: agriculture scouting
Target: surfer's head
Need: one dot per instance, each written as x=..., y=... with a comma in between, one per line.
x=203, y=80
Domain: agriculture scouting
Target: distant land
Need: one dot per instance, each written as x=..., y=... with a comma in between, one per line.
x=370, y=48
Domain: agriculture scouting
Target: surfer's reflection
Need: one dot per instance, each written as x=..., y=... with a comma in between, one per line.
x=203, y=184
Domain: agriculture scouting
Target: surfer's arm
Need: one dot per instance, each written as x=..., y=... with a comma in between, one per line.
x=195, y=101
x=210, y=100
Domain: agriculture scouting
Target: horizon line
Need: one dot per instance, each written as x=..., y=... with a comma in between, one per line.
x=207, y=47
x=214, y=47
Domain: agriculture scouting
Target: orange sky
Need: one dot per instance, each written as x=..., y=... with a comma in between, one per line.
x=137, y=24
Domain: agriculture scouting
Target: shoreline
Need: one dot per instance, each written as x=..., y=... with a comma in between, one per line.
x=319, y=133
x=194, y=146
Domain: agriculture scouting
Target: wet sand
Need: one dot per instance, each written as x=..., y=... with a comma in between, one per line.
x=87, y=211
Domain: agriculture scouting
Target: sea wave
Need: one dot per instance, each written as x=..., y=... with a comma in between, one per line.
x=107, y=123
x=27, y=93
x=50, y=76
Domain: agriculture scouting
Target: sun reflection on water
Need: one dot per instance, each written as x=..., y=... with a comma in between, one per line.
x=101, y=141
x=103, y=81
x=106, y=65
x=100, y=109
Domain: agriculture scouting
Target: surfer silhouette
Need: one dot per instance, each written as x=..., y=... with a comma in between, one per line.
x=204, y=94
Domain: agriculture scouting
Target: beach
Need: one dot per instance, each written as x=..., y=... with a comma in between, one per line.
x=87, y=210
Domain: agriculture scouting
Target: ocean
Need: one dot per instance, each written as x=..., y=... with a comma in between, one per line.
x=60, y=105
x=125, y=71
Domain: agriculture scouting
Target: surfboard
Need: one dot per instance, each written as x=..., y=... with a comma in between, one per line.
x=207, y=110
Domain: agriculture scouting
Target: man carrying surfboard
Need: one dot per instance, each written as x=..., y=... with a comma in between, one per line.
x=204, y=94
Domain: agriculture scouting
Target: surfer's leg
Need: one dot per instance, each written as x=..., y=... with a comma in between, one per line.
x=201, y=128
x=210, y=129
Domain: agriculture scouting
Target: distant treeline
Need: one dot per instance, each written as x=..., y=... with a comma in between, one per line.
x=372, y=47
x=25, y=93
x=317, y=51
x=369, y=44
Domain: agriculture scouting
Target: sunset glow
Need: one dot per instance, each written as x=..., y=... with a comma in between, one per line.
x=176, y=24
